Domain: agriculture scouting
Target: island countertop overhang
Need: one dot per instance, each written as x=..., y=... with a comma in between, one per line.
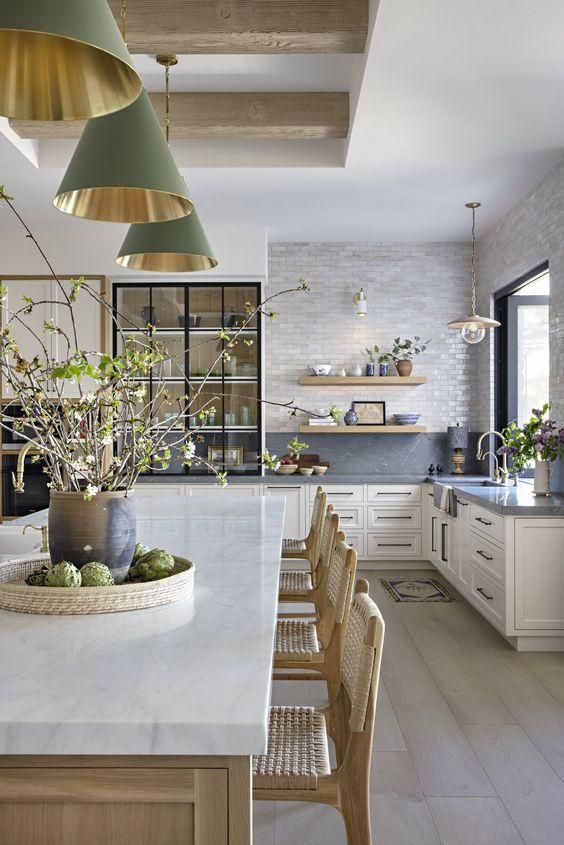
x=191, y=678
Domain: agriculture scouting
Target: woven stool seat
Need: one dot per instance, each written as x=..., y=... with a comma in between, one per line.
x=297, y=750
x=295, y=582
x=295, y=640
x=289, y=544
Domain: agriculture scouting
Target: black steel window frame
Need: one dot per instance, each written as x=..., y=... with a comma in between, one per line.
x=504, y=340
x=116, y=286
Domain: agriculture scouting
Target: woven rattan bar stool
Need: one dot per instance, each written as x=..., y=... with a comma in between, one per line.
x=297, y=585
x=308, y=549
x=296, y=766
x=316, y=647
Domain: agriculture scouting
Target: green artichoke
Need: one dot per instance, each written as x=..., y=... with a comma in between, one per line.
x=140, y=550
x=96, y=575
x=154, y=565
x=37, y=578
x=63, y=574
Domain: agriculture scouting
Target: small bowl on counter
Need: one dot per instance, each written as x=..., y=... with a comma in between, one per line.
x=287, y=469
x=317, y=470
x=406, y=419
x=306, y=470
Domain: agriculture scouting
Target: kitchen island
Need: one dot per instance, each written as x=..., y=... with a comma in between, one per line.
x=140, y=726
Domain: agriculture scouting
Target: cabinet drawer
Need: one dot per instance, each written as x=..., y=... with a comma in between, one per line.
x=398, y=519
x=160, y=490
x=487, y=522
x=352, y=518
x=340, y=493
x=487, y=556
x=392, y=493
x=357, y=542
x=488, y=595
x=393, y=546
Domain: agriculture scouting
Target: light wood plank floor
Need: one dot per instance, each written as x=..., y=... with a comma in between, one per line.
x=469, y=743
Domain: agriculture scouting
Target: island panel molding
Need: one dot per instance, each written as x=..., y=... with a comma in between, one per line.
x=245, y=26
x=246, y=114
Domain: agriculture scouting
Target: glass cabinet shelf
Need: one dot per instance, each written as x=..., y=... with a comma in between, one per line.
x=187, y=319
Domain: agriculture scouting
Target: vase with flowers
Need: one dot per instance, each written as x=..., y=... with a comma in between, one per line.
x=90, y=419
x=539, y=441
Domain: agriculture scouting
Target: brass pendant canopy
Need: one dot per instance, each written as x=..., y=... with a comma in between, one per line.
x=63, y=60
x=122, y=171
x=180, y=246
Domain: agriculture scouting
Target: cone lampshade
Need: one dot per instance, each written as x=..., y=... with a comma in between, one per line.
x=180, y=246
x=122, y=171
x=63, y=60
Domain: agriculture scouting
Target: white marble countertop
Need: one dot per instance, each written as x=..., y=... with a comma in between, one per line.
x=190, y=678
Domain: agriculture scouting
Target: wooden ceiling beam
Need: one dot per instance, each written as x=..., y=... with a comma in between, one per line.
x=272, y=115
x=245, y=26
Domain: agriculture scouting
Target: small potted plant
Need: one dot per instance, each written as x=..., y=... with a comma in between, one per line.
x=403, y=351
x=374, y=357
x=296, y=448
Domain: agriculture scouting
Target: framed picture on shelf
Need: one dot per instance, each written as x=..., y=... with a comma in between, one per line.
x=370, y=413
x=233, y=456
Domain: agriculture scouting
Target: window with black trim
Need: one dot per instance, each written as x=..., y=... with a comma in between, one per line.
x=522, y=347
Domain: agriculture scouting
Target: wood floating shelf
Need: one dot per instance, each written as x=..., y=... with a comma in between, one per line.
x=362, y=429
x=367, y=381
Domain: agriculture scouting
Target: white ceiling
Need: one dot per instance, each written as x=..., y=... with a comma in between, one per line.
x=460, y=100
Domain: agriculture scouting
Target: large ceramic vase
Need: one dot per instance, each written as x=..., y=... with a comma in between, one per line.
x=101, y=530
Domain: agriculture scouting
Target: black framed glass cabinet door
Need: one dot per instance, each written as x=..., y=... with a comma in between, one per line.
x=189, y=320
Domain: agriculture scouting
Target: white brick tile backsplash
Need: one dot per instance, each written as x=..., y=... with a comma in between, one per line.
x=411, y=289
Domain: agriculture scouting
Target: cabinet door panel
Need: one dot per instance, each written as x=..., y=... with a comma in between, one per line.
x=488, y=595
x=487, y=555
x=30, y=336
x=294, y=513
x=539, y=573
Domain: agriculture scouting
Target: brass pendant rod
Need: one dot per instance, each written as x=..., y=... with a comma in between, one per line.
x=167, y=61
x=473, y=206
x=124, y=20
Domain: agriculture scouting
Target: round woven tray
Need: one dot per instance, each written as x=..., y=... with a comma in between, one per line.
x=16, y=595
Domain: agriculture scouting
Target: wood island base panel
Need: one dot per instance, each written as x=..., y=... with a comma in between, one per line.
x=113, y=800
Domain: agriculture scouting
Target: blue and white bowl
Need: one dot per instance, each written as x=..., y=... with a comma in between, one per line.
x=406, y=419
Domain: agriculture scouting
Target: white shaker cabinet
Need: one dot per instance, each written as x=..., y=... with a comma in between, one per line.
x=30, y=336
x=539, y=574
x=295, y=513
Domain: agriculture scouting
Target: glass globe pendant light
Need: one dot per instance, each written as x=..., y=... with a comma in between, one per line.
x=177, y=246
x=473, y=327
x=63, y=60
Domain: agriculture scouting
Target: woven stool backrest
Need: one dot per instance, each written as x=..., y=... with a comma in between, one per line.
x=328, y=537
x=342, y=566
x=362, y=656
x=318, y=512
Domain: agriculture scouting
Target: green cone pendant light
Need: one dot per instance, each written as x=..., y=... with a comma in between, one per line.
x=122, y=171
x=179, y=246
x=63, y=60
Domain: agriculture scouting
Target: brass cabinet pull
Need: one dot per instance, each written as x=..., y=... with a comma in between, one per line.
x=397, y=493
x=483, y=521
x=484, y=594
x=464, y=504
x=481, y=553
x=394, y=517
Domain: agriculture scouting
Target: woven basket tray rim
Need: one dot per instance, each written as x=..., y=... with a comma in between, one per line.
x=179, y=582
